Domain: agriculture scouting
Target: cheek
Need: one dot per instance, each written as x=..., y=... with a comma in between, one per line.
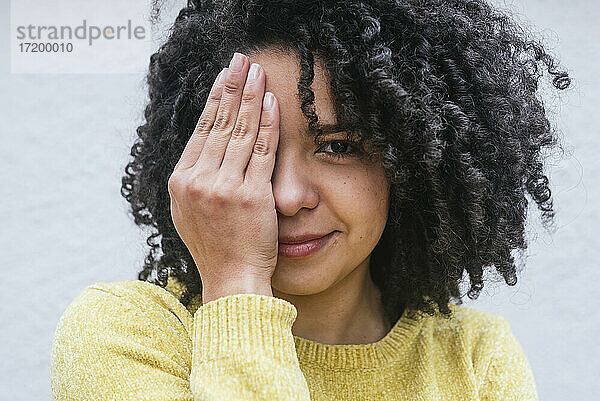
x=361, y=199
x=375, y=211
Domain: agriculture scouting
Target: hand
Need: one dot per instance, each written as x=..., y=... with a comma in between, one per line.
x=222, y=202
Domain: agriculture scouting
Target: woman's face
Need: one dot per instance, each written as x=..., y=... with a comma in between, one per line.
x=318, y=193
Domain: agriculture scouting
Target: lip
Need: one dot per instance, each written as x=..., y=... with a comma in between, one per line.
x=300, y=238
x=304, y=249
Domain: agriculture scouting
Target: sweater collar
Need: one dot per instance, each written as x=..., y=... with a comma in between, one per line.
x=343, y=356
x=358, y=356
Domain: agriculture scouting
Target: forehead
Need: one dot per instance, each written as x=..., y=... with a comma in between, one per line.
x=282, y=73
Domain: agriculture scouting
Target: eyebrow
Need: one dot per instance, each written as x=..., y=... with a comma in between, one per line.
x=332, y=128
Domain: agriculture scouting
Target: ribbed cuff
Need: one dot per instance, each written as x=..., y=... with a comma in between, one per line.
x=252, y=324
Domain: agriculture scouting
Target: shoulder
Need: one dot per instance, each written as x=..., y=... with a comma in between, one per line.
x=129, y=288
x=479, y=339
x=474, y=323
x=125, y=303
x=477, y=335
x=486, y=344
x=467, y=322
x=114, y=330
x=484, y=331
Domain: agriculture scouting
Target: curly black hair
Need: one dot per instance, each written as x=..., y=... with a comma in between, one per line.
x=446, y=93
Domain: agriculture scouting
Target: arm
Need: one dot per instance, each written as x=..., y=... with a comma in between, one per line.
x=110, y=346
x=509, y=375
x=248, y=339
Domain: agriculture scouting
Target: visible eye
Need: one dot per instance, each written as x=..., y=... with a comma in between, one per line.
x=340, y=149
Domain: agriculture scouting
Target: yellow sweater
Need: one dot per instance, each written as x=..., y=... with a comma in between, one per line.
x=132, y=340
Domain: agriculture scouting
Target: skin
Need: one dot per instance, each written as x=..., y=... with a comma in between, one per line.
x=294, y=187
x=336, y=299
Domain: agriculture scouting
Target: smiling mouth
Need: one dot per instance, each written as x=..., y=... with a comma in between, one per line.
x=302, y=239
x=306, y=248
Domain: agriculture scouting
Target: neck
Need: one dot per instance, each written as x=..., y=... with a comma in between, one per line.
x=349, y=312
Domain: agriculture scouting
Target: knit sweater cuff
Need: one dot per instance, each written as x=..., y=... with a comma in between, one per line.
x=244, y=324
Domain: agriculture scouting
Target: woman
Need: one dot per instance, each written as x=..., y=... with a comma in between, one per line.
x=318, y=202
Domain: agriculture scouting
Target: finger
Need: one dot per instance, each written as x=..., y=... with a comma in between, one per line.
x=214, y=149
x=194, y=146
x=262, y=161
x=243, y=136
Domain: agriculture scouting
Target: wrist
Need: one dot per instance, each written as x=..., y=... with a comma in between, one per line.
x=249, y=285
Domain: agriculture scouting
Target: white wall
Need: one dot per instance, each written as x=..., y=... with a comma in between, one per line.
x=65, y=139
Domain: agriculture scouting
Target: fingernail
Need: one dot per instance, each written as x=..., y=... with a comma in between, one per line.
x=253, y=74
x=221, y=76
x=237, y=62
x=268, y=101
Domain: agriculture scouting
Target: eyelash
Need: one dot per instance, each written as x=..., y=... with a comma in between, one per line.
x=353, y=149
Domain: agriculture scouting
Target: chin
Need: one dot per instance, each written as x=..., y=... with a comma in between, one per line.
x=299, y=280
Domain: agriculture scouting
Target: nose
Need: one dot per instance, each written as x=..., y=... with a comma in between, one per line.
x=294, y=186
